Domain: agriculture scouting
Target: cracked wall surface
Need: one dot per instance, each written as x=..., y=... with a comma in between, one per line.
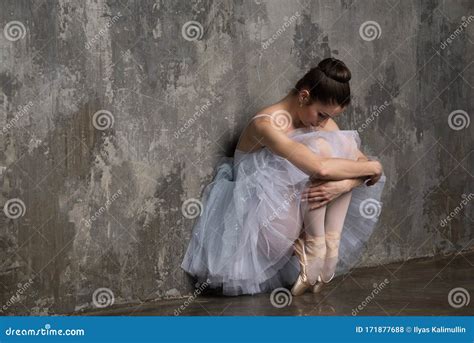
x=114, y=113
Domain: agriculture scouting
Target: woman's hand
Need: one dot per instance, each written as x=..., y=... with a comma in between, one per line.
x=321, y=192
x=373, y=179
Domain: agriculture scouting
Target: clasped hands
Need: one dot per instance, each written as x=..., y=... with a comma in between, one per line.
x=320, y=192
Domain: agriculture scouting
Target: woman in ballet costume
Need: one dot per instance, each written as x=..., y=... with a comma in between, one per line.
x=298, y=201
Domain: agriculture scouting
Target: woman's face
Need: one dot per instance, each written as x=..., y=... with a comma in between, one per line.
x=317, y=114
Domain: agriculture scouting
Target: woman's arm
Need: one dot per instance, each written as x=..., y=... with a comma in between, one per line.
x=360, y=156
x=322, y=192
x=355, y=182
x=303, y=158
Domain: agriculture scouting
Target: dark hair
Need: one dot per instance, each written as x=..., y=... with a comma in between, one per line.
x=327, y=83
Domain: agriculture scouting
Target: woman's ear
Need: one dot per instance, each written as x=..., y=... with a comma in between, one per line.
x=304, y=98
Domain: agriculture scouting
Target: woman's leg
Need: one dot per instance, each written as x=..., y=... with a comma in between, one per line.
x=314, y=228
x=334, y=222
x=315, y=241
x=324, y=226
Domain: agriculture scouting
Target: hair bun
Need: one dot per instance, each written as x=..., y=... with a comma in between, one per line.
x=335, y=69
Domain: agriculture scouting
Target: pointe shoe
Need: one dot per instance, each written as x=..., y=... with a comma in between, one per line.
x=332, y=277
x=302, y=284
x=320, y=284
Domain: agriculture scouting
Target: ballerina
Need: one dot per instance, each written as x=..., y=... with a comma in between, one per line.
x=259, y=212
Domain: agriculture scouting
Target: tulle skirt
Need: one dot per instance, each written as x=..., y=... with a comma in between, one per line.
x=242, y=242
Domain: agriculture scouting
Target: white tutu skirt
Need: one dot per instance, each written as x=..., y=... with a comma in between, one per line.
x=242, y=242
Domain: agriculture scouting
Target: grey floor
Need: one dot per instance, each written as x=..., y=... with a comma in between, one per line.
x=417, y=287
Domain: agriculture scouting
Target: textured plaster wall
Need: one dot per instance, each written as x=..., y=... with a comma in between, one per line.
x=114, y=113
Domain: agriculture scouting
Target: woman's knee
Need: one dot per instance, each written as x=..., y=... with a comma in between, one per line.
x=324, y=148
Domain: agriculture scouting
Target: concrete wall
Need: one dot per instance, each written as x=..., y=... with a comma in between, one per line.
x=95, y=201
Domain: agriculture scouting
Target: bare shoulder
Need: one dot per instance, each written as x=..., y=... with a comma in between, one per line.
x=263, y=117
x=264, y=113
x=331, y=125
x=251, y=137
x=260, y=122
